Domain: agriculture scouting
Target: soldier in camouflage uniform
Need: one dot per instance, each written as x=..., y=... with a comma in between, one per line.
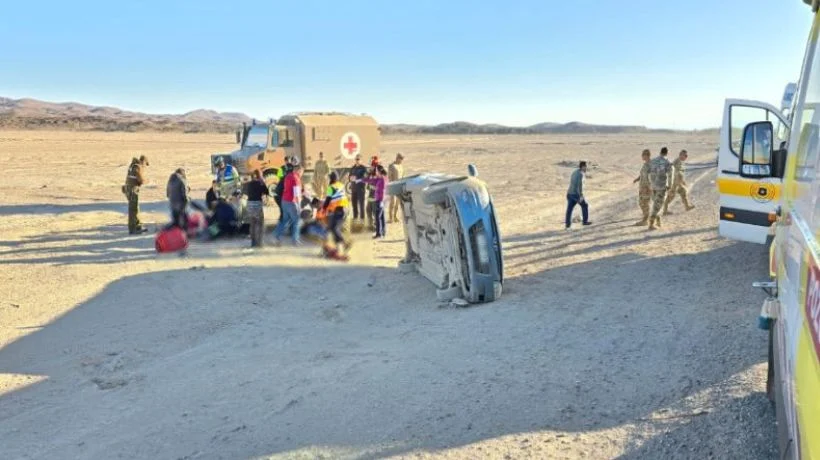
x=644, y=188
x=678, y=183
x=660, y=174
x=131, y=189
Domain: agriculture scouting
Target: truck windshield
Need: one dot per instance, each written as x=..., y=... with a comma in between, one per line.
x=257, y=137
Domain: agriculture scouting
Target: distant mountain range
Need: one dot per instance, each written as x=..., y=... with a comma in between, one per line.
x=35, y=114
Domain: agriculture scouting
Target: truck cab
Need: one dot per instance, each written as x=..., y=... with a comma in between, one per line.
x=261, y=146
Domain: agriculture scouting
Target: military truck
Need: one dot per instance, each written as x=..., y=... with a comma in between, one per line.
x=340, y=136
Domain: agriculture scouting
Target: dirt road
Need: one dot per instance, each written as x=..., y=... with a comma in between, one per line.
x=609, y=341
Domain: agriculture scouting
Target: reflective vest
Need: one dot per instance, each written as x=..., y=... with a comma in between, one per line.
x=229, y=175
x=336, y=192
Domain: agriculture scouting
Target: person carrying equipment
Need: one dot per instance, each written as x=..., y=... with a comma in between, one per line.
x=133, y=181
x=335, y=206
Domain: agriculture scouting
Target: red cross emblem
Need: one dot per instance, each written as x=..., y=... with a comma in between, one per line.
x=350, y=145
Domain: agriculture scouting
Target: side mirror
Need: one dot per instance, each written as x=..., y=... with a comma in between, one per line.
x=472, y=170
x=238, y=137
x=756, y=150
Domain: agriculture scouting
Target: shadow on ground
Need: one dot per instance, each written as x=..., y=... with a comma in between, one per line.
x=239, y=362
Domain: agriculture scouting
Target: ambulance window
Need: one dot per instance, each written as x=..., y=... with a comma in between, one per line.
x=740, y=116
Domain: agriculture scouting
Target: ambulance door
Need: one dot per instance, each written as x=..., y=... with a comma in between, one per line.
x=749, y=187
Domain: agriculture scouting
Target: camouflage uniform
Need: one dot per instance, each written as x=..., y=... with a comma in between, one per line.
x=320, y=178
x=678, y=186
x=644, y=192
x=133, y=181
x=394, y=172
x=660, y=173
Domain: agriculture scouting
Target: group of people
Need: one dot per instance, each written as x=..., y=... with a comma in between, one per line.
x=233, y=209
x=660, y=181
x=325, y=209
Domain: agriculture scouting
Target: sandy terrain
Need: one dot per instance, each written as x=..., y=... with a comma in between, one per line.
x=608, y=341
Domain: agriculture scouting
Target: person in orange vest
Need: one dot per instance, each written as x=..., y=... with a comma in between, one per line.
x=335, y=207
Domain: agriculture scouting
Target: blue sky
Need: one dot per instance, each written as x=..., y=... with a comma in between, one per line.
x=514, y=62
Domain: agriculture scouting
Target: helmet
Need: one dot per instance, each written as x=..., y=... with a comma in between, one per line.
x=219, y=162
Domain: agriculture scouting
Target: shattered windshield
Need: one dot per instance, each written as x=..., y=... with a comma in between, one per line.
x=257, y=137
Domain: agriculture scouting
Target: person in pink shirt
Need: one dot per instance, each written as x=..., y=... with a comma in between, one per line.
x=379, y=183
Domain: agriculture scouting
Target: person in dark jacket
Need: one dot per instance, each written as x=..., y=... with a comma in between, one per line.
x=177, y=193
x=257, y=193
x=358, y=191
x=224, y=221
x=211, y=197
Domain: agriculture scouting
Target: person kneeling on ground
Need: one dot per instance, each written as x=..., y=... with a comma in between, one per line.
x=314, y=221
x=223, y=222
x=335, y=207
x=211, y=196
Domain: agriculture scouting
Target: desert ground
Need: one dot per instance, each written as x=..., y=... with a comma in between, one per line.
x=608, y=342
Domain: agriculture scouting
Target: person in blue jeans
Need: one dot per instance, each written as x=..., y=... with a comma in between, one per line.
x=575, y=194
x=291, y=200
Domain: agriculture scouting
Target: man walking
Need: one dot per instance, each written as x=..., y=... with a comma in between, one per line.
x=644, y=188
x=291, y=201
x=660, y=173
x=257, y=190
x=395, y=172
x=678, y=183
x=320, y=176
x=177, y=193
x=575, y=195
x=133, y=181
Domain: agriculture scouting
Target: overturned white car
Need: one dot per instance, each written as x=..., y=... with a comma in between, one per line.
x=451, y=235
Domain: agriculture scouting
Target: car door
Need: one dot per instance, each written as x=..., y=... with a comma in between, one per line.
x=749, y=188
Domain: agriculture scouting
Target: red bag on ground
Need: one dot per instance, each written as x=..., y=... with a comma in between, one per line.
x=171, y=240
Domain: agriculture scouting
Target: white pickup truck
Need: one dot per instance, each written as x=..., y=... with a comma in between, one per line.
x=451, y=235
